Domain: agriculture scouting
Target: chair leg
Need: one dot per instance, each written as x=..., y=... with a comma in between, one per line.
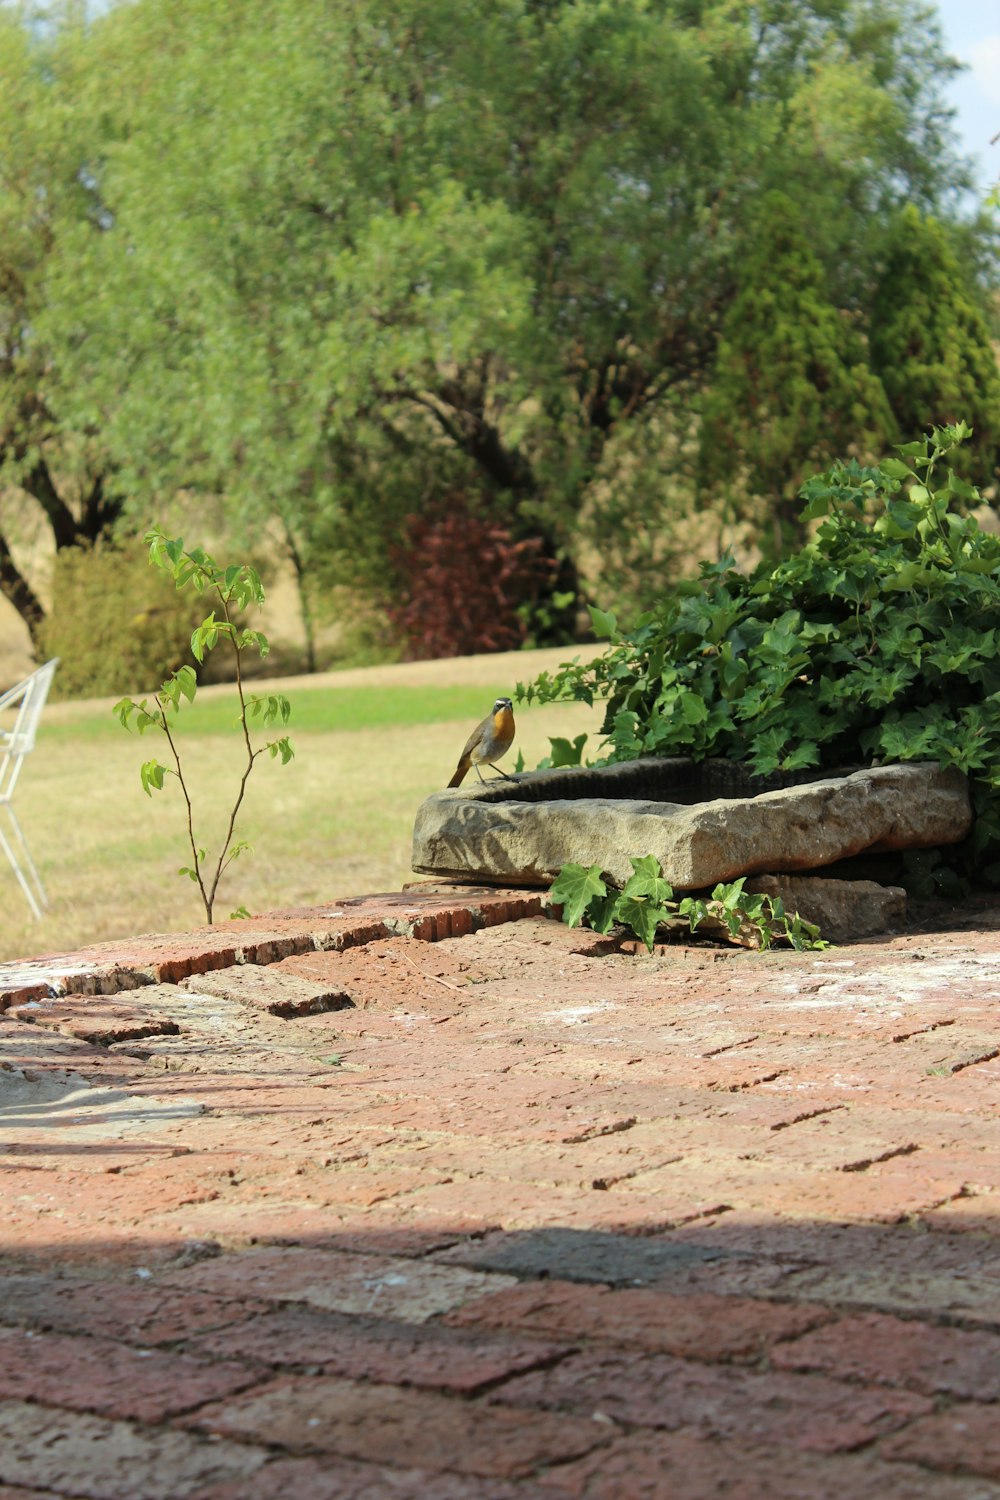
x=37, y=899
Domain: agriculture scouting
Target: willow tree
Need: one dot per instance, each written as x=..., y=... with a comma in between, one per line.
x=343, y=263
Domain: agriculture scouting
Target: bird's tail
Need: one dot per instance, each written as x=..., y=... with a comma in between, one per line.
x=461, y=772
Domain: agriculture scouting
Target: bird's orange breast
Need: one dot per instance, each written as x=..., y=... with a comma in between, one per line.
x=503, y=723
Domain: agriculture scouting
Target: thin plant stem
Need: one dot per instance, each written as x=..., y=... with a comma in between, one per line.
x=251, y=754
x=208, y=900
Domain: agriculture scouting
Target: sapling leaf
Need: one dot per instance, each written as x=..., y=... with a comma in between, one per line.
x=151, y=775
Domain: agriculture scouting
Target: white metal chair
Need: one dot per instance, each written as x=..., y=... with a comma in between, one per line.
x=28, y=698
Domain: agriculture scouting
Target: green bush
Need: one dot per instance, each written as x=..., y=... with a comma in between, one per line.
x=878, y=640
x=115, y=625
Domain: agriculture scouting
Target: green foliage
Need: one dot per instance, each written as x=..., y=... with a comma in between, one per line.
x=878, y=640
x=791, y=385
x=336, y=262
x=232, y=590
x=930, y=341
x=646, y=904
x=111, y=624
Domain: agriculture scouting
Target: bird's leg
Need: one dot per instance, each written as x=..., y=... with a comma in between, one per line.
x=479, y=772
x=499, y=772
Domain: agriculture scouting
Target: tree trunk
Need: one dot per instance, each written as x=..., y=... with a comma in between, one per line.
x=15, y=587
x=305, y=606
x=38, y=483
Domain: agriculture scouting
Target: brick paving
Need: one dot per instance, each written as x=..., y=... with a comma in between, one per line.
x=426, y=1196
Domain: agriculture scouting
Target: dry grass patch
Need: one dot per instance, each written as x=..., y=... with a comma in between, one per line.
x=336, y=822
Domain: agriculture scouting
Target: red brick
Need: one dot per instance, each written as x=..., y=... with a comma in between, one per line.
x=439, y=1358
x=812, y=1412
x=96, y=1020
x=891, y=1351
x=138, y=1313
x=7, y=1492
x=682, y=1466
x=332, y=1478
x=75, y=1453
x=384, y=1424
x=964, y=1439
x=372, y=1285
x=274, y=991
x=702, y=1327
x=98, y=1375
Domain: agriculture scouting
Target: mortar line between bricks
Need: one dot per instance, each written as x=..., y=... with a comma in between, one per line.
x=872, y=1161
x=809, y=1114
x=972, y=1062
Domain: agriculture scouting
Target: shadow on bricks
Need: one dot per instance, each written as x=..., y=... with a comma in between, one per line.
x=473, y=1209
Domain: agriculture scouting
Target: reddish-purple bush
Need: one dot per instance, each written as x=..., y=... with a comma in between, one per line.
x=464, y=582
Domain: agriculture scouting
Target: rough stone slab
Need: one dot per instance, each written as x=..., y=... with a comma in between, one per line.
x=495, y=835
x=841, y=909
x=263, y=989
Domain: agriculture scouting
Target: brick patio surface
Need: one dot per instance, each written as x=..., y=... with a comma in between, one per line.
x=425, y=1197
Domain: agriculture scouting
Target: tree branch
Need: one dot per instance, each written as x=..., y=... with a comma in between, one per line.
x=15, y=587
x=39, y=484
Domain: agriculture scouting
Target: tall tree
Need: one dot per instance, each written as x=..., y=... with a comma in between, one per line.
x=51, y=472
x=930, y=341
x=342, y=261
x=791, y=387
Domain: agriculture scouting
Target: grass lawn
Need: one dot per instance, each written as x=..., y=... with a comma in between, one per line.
x=370, y=744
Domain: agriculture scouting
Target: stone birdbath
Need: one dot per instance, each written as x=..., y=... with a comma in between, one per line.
x=705, y=822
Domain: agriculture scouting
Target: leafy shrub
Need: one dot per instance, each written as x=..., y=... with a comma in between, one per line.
x=878, y=640
x=465, y=584
x=646, y=905
x=113, y=624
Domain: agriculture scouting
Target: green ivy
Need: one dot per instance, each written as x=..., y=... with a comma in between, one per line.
x=875, y=641
x=646, y=905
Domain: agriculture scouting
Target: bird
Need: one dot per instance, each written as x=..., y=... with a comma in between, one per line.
x=487, y=742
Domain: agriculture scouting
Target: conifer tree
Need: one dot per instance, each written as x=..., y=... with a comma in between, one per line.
x=792, y=385
x=930, y=343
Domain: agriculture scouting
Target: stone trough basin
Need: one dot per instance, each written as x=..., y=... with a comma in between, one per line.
x=705, y=822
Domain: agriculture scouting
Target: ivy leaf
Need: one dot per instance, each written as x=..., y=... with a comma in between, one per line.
x=604, y=623
x=647, y=880
x=643, y=916
x=574, y=888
